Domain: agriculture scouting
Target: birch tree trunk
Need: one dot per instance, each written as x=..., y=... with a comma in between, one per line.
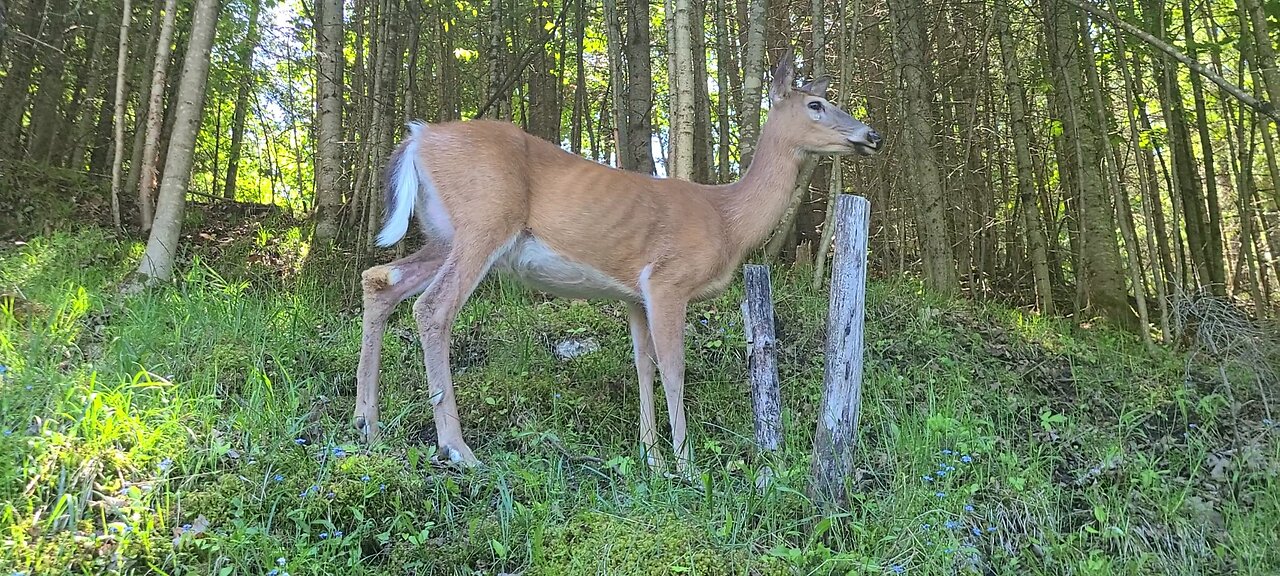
x=682, y=106
x=158, y=260
x=752, y=80
x=147, y=174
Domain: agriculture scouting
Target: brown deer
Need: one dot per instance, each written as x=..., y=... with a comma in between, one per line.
x=491, y=196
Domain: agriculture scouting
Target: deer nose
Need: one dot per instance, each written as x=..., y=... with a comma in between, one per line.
x=873, y=138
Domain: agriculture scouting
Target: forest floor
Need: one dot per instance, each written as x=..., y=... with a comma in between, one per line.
x=204, y=427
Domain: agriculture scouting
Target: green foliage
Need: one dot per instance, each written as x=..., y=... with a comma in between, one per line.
x=203, y=427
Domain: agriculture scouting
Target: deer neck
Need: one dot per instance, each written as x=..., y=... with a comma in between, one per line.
x=752, y=206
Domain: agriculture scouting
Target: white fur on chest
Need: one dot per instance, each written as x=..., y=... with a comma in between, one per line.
x=537, y=265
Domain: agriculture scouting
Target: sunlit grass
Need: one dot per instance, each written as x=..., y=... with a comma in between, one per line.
x=203, y=427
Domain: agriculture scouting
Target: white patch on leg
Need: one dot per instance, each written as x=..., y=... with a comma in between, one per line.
x=393, y=276
x=436, y=397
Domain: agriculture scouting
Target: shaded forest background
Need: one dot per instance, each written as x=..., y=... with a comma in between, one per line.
x=1113, y=160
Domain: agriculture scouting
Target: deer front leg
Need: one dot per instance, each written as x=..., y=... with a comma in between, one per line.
x=385, y=287
x=642, y=347
x=666, y=324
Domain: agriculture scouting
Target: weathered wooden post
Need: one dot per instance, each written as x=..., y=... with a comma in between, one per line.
x=757, y=318
x=837, y=432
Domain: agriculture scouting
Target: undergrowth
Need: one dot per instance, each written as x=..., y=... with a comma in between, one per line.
x=203, y=427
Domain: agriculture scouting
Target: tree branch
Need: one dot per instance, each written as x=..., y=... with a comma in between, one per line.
x=1264, y=107
x=524, y=60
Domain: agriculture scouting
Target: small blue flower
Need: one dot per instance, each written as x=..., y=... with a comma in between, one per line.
x=273, y=572
x=951, y=468
x=927, y=478
x=898, y=569
x=337, y=534
x=382, y=487
x=338, y=452
x=166, y=464
x=279, y=478
x=924, y=527
x=977, y=531
x=941, y=494
x=951, y=524
x=324, y=535
x=3, y=368
x=280, y=561
x=1267, y=422
x=948, y=551
x=941, y=473
x=364, y=478
x=968, y=507
x=8, y=432
x=28, y=387
x=300, y=441
x=946, y=452
x=991, y=528
x=703, y=321
x=556, y=395
x=966, y=459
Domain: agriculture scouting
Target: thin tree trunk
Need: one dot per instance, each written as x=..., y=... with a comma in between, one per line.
x=147, y=174
x=245, y=65
x=580, y=112
x=617, y=80
x=683, y=106
x=1265, y=54
x=122, y=72
x=158, y=260
x=752, y=81
x=723, y=93
x=1021, y=138
x=1213, y=217
x=85, y=108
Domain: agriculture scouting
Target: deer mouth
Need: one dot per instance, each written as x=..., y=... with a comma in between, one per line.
x=866, y=144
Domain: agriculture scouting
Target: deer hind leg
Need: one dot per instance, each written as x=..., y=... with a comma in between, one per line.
x=666, y=325
x=385, y=287
x=468, y=261
x=642, y=347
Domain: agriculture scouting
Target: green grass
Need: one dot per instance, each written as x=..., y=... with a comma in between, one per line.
x=203, y=428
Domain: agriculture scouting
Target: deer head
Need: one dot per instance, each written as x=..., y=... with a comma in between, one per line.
x=817, y=125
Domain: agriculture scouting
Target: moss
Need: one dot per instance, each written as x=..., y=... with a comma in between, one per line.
x=598, y=543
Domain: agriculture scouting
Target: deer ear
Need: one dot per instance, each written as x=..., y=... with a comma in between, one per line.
x=818, y=86
x=783, y=76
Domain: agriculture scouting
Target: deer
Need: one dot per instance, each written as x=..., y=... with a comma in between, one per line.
x=489, y=196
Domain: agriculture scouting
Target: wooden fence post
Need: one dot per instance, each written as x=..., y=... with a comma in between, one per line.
x=757, y=319
x=837, y=432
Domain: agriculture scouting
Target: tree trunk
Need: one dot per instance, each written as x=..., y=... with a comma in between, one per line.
x=122, y=71
x=1022, y=150
x=15, y=93
x=158, y=260
x=147, y=174
x=1103, y=281
x=86, y=106
x=752, y=81
x=1265, y=53
x=331, y=61
x=247, y=77
x=617, y=81
x=918, y=146
x=723, y=94
x=45, y=127
x=639, y=87
x=683, y=105
x=1213, y=216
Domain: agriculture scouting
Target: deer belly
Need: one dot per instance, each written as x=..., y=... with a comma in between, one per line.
x=542, y=268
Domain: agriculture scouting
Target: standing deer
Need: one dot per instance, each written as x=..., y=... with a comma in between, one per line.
x=491, y=196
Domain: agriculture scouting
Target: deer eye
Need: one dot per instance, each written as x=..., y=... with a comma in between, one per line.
x=816, y=106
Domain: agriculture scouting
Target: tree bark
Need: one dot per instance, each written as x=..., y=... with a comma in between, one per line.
x=1213, y=217
x=1103, y=281
x=683, y=105
x=44, y=126
x=331, y=61
x=1264, y=51
x=158, y=260
x=918, y=146
x=639, y=87
x=122, y=72
x=147, y=174
x=1034, y=229
x=617, y=81
x=752, y=81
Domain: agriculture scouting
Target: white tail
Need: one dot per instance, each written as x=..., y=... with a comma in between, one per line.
x=403, y=187
x=490, y=195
